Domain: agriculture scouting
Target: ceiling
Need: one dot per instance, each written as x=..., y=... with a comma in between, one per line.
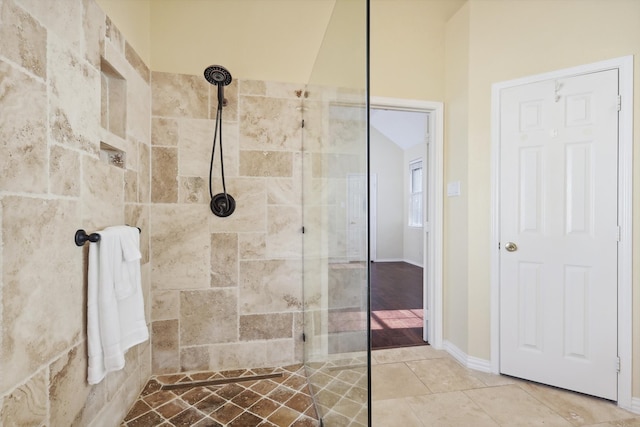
x=405, y=128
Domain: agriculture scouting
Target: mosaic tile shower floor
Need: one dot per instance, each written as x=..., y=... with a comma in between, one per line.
x=274, y=397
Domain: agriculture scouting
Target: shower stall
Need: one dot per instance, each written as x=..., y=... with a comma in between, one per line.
x=335, y=220
x=272, y=274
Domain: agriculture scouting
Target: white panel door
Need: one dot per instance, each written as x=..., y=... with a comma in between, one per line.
x=559, y=233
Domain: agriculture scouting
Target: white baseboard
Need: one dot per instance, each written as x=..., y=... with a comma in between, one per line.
x=483, y=365
x=467, y=361
x=635, y=405
x=380, y=260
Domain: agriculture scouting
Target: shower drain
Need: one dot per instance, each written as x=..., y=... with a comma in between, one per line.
x=221, y=381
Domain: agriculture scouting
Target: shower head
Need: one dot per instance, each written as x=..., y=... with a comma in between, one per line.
x=217, y=75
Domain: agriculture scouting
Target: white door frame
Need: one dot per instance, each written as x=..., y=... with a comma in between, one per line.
x=625, y=219
x=432, y=241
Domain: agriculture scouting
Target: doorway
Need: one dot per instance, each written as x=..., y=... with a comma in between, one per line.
x=561, y=272
x=430, y=234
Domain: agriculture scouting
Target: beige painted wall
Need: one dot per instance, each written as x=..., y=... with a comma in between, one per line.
x=514, y=39
x=274, y=40
x=407, y=47
x=456, y=235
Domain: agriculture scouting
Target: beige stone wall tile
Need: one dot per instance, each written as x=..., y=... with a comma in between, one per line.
x=345, y=286
x=285, y=90
x=270, y=124
x=23, y=152
x=196, y=138
x=193, y=190
x=208, y=316
x=266, y=326
x=113, y=35
x=298, y=330
x=138, y=216
x=94, y=27
x=194, y=359
x=145, y=277
x=270, y=286
x=315, y=125
x=130, y=186
x=179, y=95
x=104, y=101
x=75, y=101
x=164, y=175
x=52, y=286
x=253, y=87
x=238, y=355
x=62, y=18
x=27, y=404
x=284, y=191
x=164, y=131
x=64, y=171
x=136, y=62
x=94, y=402
x=68, y=389
x=230, y=108
x=284, y=235
x=180, y=247
x=138, y=104
x=165, y=352
x=144, y=173
x=102, y=195
x=24, y=40
x=251, y=245
x=224, y=259
x=165, y=305
x=117, y=408
x=117, y=105
x=250, y=214
x=132, y=151
x=280, y=352
x=144, y=357
x=115, y=380
x=266, y=163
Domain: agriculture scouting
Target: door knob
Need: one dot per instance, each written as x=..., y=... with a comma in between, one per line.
x=511, y=247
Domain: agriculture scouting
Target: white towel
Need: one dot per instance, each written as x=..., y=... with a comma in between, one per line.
x=115, y=304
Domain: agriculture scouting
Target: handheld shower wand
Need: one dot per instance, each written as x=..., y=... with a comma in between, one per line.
x=222, y=204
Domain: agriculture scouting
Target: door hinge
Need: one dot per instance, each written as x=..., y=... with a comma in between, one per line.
x=617, y=364
x=303, y=229
x=303, y=123
x=304, y=337
x=618, y=233
x=619, y=102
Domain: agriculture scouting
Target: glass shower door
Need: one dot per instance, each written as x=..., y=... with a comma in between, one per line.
x=335, y=215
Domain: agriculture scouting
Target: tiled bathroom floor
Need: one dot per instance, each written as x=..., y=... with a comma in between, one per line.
x=276, y=397
x=411, y=387
x=423, y=387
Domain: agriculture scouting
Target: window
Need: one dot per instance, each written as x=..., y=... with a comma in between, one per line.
x=415, y=193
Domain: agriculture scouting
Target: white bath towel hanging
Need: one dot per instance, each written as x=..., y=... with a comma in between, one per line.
x=115, y=304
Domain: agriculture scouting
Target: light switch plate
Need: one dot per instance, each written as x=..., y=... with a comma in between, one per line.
x=453, y=189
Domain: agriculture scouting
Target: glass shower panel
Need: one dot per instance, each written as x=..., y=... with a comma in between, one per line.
x=335, y=211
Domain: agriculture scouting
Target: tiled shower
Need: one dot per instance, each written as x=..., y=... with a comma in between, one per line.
x=91, y=137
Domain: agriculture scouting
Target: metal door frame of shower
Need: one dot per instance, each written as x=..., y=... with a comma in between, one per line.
x=433, y=235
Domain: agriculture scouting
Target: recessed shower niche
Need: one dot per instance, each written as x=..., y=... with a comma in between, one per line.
x=113, y=106
x=113, y=113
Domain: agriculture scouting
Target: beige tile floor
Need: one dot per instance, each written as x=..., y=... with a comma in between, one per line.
x=420, y=387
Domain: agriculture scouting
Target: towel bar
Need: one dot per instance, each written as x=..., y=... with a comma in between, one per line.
x=82, y=237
